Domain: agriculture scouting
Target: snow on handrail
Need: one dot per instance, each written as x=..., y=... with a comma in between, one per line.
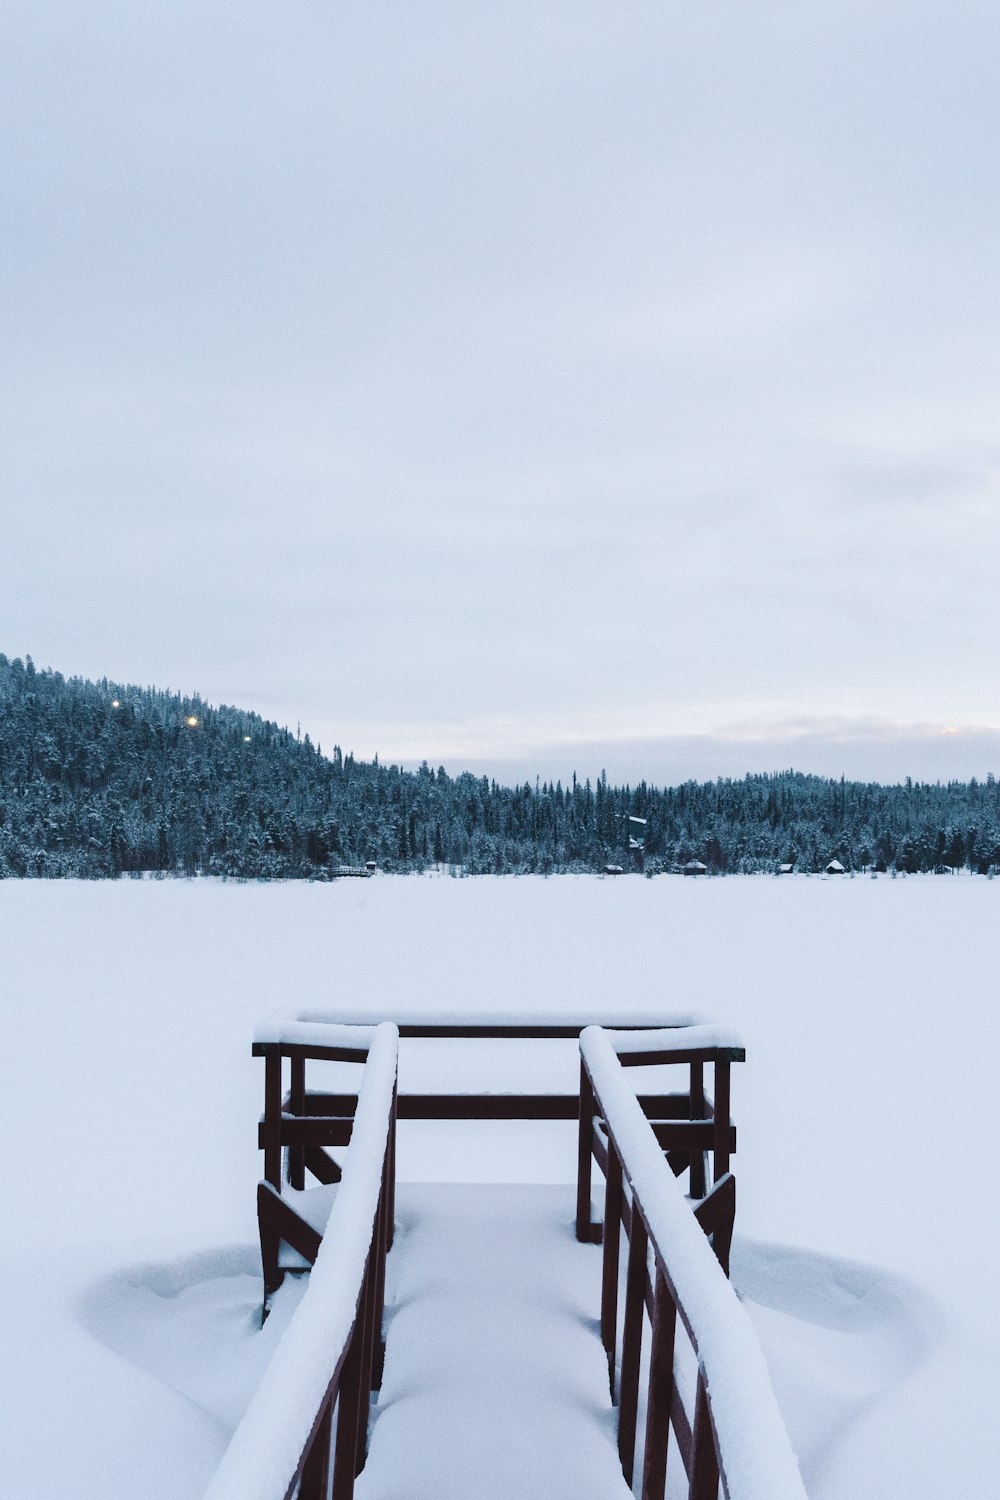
x=755, y=1457
x=538, y=1011
x=267, y=1446
x=305, y=1030
x=690, y=1039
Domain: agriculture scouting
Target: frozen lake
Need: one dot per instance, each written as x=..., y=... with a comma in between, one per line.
x=867, y=1113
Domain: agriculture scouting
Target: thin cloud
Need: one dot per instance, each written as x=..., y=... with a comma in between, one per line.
x=572, y=378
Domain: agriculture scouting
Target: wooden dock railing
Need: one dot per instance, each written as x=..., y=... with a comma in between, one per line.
x=300, y=1126
x=693, y=1129
x=728, y=1430
x=708, y=1396
x=305, y=1431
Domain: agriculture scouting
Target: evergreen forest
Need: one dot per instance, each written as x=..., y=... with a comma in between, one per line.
x=100, y=780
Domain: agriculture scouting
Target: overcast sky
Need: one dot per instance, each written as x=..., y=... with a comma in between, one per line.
x=532, y=386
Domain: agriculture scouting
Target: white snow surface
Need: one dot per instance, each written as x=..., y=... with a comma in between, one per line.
x=755, y=1455
x=867, y=1110
x=269, y=1442
x=495, y=1385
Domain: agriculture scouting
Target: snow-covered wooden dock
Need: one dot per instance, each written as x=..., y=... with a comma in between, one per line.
x=520, y=1360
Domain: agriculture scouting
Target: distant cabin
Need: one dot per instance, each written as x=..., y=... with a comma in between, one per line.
x=695, y=867
x=613, y=870
x=371, y=866
x=786, y=869
x=835, y=868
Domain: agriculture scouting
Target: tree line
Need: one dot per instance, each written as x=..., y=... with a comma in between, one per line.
x=99, y=779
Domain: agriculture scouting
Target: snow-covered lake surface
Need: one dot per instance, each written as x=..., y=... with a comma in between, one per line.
x=867, y=1165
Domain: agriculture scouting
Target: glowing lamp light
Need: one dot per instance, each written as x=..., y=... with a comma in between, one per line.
x=246, y=739
x=115, y=703
x=192, y=721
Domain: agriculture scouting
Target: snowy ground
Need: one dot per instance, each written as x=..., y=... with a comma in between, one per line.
x=867, y=1160
x=515, y=1400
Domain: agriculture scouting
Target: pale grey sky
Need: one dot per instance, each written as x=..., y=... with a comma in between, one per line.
x=545, y=385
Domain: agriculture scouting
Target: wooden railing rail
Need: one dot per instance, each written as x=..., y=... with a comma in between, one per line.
x=299, y=1124
x=731, y=1432
x=504, y=1023
x=305, y=1431
x=692, y=1127
x=300, y=1127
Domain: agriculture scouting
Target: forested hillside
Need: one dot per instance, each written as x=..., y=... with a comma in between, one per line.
x=100, y=779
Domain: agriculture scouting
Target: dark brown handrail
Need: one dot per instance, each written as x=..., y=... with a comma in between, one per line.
x=689, y=1125
x=305, y=1430
x=674, y=1283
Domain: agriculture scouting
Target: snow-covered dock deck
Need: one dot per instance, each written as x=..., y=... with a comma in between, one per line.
x=495, y=1381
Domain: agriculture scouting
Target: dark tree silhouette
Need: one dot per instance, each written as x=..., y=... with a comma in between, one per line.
x=100, y=779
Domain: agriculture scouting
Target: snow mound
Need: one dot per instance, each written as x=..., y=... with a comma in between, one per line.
x=840, y=1338
x=194, y=1324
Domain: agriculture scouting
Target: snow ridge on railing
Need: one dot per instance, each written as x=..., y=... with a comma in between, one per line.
x=756, y=1461
x=304, y=1031
x=689, y=1039
x=267, y=1448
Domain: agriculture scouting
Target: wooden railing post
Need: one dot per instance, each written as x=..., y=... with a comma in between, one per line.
x=584, y=1229
x=717, y=1214
x=697, y=1113
x=270, y=1253
x=635, y=1298
x=704, y=1483
x=720, y=1164
x=297, y=1103
x=345, y=1453
x=661, y=1392
x=381, y=1240
x=315, y=1482
x=366, y=1326
x=391, y=1206
x=612, y=1250
x=272, y=1119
